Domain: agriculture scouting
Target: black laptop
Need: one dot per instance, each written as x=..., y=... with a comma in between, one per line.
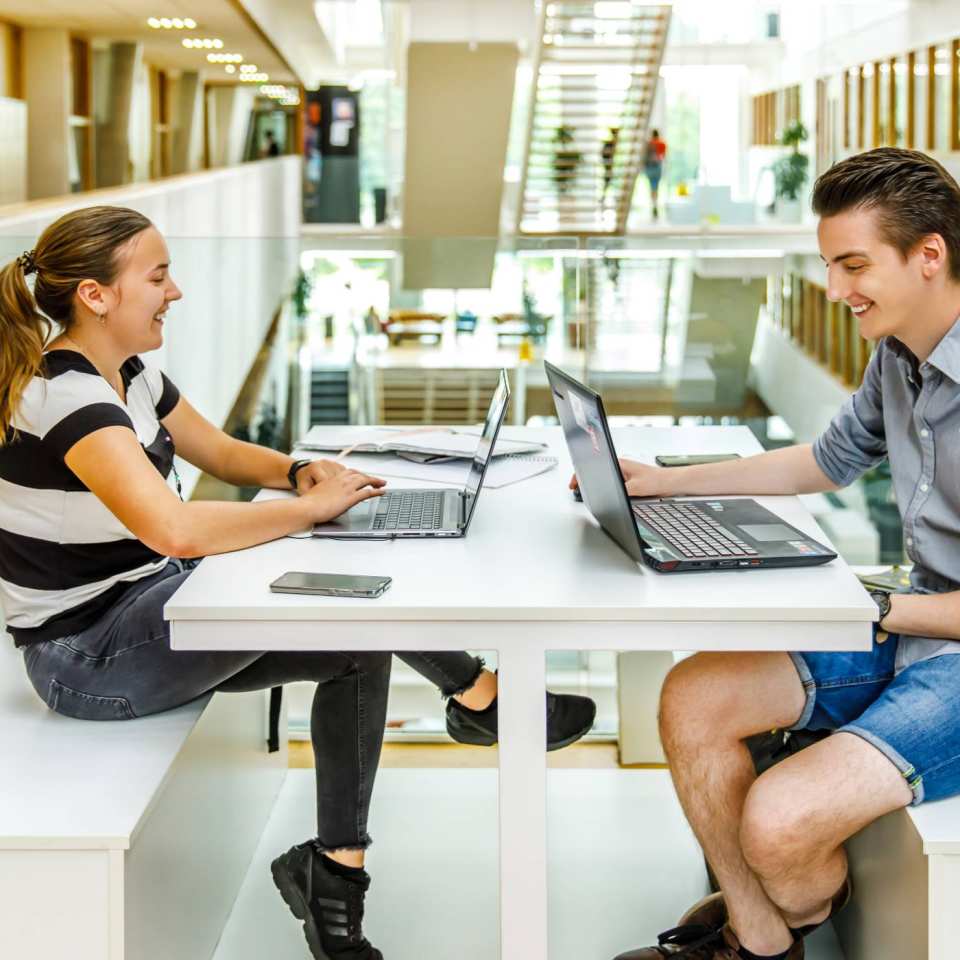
x=670, y=535
x=425, y=512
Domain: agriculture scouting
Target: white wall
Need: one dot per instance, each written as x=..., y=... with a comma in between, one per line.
x=233, y=235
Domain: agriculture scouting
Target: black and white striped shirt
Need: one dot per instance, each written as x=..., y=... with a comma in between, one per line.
x=64, y=557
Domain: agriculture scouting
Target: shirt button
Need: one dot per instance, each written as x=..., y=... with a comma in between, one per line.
x=924, y=487
x=924, y=432
x=909, y=541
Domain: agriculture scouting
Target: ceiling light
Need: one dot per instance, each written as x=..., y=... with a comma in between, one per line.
x=230, y=68
x=166, y=23
x=218, y=44
x=248, y=68
x=190, y=23
x=177, y=23
x=212, y=58
x=187, y=42
x=154, y=22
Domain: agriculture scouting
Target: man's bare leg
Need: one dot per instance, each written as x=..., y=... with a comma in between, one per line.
x=799, y=813
x=775, y=843
x=709, y=704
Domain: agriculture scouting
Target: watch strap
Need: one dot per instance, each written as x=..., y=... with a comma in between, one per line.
x=294, y=469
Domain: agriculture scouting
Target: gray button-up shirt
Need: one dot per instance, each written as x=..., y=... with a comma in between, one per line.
x=909, y=412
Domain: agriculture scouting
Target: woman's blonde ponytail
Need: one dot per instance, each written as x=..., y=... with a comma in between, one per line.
x=23, y=332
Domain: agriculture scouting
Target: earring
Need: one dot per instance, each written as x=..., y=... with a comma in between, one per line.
x=102, y=317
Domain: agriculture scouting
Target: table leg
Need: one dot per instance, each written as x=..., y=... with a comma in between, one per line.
x=523, y=803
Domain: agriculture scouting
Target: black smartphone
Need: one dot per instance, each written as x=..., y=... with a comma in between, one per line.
x=331, y=584
x=692, y=460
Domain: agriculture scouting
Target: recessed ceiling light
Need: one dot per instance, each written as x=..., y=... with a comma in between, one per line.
x=187, y=42
x=154, y=22
x=230, y=68
x=190, y=23
x=166, y=23
x=177, y=23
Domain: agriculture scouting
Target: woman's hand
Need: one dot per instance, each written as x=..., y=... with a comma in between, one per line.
x=641, y=480
x=316, y=472
x=335, y=494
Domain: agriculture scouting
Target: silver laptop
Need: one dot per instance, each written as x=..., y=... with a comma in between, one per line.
x=425, y=512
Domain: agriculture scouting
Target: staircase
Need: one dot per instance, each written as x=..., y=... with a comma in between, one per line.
x=595, y=78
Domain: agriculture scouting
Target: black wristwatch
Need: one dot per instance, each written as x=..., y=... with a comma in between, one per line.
x=882, y=599
x=292, y=472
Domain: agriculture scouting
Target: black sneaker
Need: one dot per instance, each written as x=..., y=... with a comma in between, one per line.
x=569, y=717
x=331, y=907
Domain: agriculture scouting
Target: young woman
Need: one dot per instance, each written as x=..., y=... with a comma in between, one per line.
x=93, y=541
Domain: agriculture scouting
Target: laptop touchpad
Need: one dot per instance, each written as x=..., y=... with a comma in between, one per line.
x=766, y=532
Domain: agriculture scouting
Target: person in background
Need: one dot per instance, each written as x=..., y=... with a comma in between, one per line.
x=271, y=148
x=607, y=153
x=653, y=156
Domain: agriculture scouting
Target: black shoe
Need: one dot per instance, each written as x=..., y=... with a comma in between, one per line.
x=331, y=907
x=569, y=717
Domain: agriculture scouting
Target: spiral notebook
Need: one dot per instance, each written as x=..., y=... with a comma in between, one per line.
x=501, y=472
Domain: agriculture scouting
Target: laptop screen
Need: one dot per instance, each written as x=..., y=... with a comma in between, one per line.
x=594, y=459
x=495, y=415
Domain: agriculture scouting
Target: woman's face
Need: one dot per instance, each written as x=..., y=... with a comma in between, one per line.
x=137, y=301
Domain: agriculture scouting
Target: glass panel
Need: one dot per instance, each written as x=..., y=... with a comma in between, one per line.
x=853, y=104
x=942, y=98
x=900, y=102
x=920, y=72
x=867, y=107
x=885, y=134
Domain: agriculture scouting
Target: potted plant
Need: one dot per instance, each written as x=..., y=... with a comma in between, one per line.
x=565, y=161
x=790, y=172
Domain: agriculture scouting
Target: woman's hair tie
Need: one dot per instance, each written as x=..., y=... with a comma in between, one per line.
x=27, y=262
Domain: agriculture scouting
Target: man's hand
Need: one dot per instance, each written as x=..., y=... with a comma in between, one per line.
x=316, y=472
x=641, y=479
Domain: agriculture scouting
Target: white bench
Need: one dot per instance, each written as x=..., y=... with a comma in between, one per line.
x=127, y=839
x=906, y=874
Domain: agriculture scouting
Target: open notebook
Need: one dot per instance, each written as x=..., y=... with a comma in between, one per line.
x=430, y=440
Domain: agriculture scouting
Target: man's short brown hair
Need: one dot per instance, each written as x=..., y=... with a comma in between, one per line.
x=912, y=194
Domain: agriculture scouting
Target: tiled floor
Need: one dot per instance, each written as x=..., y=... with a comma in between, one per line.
x=623, y=865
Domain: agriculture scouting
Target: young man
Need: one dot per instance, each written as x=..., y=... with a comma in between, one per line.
x=889, y=237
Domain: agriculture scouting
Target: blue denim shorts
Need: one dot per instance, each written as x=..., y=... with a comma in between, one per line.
x=911, y=717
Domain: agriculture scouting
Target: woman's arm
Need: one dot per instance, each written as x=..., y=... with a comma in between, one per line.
x=112, y=465
x=199, y=442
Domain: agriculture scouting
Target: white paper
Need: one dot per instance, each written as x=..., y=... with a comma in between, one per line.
x=500, y=473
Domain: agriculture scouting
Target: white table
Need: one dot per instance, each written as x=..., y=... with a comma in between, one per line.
x=534, y=574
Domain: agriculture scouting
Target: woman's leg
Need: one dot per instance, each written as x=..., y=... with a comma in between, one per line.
x=455, y=674
x=347, y=721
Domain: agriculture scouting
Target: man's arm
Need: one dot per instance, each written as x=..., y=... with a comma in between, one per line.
x=924, y=615
x=786, y=471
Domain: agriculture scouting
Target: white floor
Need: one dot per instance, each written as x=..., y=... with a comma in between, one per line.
x=623, y=866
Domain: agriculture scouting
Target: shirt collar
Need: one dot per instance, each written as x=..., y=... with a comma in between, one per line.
x=945, y=355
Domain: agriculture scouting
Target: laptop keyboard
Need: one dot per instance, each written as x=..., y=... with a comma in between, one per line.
x=692, y=531
x=409, y=510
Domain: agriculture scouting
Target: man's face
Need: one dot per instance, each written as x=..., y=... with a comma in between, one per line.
x=885, y=292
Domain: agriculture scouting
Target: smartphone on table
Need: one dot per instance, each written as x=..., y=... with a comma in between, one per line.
x=693, y=460
x=331, y=584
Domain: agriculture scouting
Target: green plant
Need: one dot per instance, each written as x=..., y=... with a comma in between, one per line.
x=790, y=172
x=301, y=294
x=565, y=162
